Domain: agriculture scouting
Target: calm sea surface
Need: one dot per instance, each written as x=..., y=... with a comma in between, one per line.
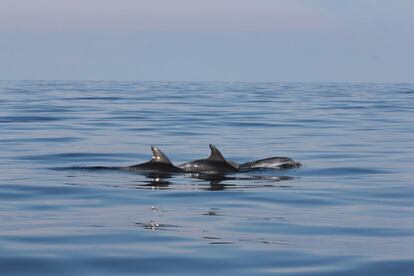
x=348, y=211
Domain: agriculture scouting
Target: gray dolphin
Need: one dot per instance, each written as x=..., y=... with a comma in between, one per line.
x=269, y=163
x=159, y=163
x=214, y=164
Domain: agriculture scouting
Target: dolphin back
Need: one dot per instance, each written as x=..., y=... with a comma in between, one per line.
x=214, y=164
x=270, y=163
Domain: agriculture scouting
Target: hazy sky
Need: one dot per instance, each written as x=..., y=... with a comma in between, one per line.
x=212, y=40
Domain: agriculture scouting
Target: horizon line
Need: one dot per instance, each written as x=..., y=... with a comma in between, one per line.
x=209, y=81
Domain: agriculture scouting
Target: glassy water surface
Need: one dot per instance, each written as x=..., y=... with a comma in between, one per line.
x=349, y=210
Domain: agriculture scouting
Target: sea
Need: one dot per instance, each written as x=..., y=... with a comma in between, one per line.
x=349, y=210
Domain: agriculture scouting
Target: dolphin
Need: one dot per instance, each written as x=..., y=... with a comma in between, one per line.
x=269, y=163
x=159, y=163
x=214, y=164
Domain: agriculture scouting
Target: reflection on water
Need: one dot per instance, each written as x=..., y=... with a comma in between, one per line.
x=211, y=182
x=157, y=183
x=158, y=227
x=348, y=211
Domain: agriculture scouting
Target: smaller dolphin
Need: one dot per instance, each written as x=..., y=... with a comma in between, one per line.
x=159, y=163
x=214, y=164
x=270, y=163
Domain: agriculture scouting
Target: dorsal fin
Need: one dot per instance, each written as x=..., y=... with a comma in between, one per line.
x=159, y=156
x=215, y=154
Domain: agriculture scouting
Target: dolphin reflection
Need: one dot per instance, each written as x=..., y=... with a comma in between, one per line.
x=210, y=182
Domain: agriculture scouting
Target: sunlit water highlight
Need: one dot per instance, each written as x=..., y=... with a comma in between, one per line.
x=349, y=210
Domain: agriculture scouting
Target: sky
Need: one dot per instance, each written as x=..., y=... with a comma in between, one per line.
x=208, y=40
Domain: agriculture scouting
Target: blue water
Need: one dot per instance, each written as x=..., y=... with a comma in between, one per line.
x=348, y=211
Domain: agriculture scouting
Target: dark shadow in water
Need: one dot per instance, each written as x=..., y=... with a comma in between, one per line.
x=87, y=168
x=216, y=240
x=213, y=212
